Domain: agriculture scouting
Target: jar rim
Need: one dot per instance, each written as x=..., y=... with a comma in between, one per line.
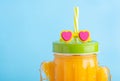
x=67, y=54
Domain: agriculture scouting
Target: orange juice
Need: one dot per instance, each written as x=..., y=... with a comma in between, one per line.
x=75, y=67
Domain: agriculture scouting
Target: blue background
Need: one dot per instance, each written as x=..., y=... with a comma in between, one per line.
x=28, y=28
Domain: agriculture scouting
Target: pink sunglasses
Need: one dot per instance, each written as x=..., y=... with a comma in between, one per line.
x=83, y=35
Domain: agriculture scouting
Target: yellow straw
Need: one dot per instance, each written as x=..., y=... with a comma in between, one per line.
x=76, y=18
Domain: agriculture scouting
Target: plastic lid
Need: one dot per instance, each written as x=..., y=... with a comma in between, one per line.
x=88, y=47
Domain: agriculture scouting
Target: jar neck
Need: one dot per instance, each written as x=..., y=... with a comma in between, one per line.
x=70, y=57
x=76, y=54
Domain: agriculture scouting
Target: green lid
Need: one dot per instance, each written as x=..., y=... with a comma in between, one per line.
x=88, y=47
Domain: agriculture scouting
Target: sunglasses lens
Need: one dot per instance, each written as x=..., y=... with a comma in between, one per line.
x=66, y=35
x=84, y=35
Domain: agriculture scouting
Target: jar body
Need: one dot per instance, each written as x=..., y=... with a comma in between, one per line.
x=75, y=67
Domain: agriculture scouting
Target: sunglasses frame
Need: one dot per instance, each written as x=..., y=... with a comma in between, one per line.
x=75, y=35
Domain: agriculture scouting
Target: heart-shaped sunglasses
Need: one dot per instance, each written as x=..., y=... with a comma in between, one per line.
x=83, y=35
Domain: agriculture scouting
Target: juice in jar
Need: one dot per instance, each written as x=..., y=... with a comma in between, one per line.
x=75, y=62
x=75, y=57
x=75, y=67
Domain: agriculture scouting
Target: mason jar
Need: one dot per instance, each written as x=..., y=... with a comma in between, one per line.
x=74, y=62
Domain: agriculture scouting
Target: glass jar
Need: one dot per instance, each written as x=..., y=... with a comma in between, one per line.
x=74, y=62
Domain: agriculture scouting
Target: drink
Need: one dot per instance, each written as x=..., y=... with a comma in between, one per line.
x=75, y=58
x=75, y=65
